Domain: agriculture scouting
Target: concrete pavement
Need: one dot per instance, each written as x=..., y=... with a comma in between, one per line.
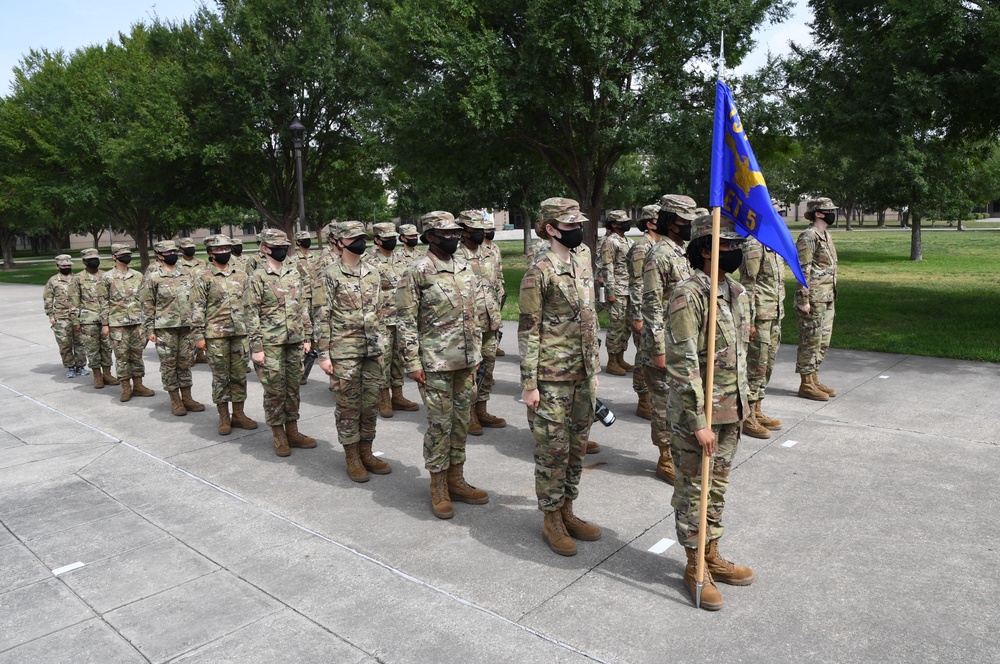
x=868, y=520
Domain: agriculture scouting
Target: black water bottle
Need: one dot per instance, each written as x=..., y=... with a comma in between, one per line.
x=603, y=414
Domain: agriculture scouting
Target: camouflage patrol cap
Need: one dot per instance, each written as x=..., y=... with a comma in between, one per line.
x=649, y=212
x=564, y=210
x=164, y=246
x=349, y=229
x=218, y=241
x=272, y=237
x=616, y=216
x=185, y=242
x=701, y=212
x=407, y=229
x=258, y=238
x=89, y=253
x=385, y=229
x=702, y=226
x=820, y=205
x=333, y=230
x=439, y=220
x=120, y=249
x=302, y=235
x=237, y=242
x=63, y=260
x=682, y=206
x=473, y=219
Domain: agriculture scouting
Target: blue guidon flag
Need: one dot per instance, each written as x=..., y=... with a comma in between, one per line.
x=738, y=186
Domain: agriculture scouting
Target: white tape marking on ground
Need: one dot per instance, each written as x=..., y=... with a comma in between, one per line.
x=883, y=376
x=378, y=453
x=67, y=568
x=790, y=443
x=662, y=545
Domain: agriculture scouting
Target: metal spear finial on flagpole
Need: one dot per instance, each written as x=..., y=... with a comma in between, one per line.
x=722, y=56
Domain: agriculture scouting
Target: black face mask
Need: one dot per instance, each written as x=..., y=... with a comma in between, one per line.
x=625, y=228
x=237, y=250
x=410, y=242
x=171, y=259
x=279, y=253
x=730, y=261
x=358, y=246
x=66, y=270
x=489, y=235
x=447, y=245
x=389, y=243
x=570, y=239
x=305, y=244
x=188, y=251
x=829, y=216
x=477, y=237
x=92, y=263
x=684, y=232
x=222, y=257
x=124, y=259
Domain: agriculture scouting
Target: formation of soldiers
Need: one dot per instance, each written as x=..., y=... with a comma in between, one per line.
x=373, y=315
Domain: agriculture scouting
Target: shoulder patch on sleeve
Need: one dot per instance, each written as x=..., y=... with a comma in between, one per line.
x=678, y=303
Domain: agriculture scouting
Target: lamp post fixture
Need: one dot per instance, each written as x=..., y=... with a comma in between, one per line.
x=298, y=132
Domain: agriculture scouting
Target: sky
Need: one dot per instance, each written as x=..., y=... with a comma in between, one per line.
x=70, y=24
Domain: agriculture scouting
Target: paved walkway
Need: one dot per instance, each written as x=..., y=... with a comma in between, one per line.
x=131, y=535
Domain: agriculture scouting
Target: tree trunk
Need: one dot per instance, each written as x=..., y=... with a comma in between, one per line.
x=848, y=216
x=140, y=233
x=916, y=245
x=526, y=213
x=880, y=216
x=960, y=226
x=904, y=219
x=8, y=250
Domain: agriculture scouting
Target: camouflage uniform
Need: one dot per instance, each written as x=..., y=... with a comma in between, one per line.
x=438, y=327
x=818, y=258
x=388, y=270
x=58, y=305
x=557, y=340
x=192, y=264
x=121, y=311
x=613, y=271
x=85, y=296
x=407, y=254
x=166, y=312
x=763, y=276
x=277, y=325
x=488, y=278
x=635, y=260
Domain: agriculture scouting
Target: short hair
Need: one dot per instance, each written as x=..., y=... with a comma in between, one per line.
x=694, y=249
x=666, y=217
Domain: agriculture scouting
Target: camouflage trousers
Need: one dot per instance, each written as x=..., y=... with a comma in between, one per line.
x=96, y=344
x=618, y=325
x=128, y=342
x=280, y=375
x=176, y=355
x=447, y=396
x=360, y=379
x=815, y=330
x=70, y=344
x=641, y=360
x=490, y=343
x=229, y=369
x=392, y=366
x=561, y=425
x=686, y=502
x=761, y=356
x=659, y=392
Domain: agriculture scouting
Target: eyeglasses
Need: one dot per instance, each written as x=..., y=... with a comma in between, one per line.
x=449, y=233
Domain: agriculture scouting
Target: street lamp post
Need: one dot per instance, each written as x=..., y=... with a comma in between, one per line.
x=298, y=132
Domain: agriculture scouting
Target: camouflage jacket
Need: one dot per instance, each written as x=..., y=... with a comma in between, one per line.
x=404, y=255
x=687, y=352
x=486, y=278
x=348, y=323
x=276, y=312
x=634, y=262
x=557, y=330
x=818, y=258
x=166, y=299
x=665, y=267
x=389, y=272
x=238, y=263
x=254, y=261
x=494, y=256
x=217, y=303
x=763, y=276
x=193, y=265
x=57, y=298
x=612, y=263
x=85, y=297
x=120, y=305
x=436, y=316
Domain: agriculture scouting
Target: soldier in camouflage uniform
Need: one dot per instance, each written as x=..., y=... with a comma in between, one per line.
x=382, y=259
x=280, y=327
x=613, y=271
x=238, y=262
x=557, y=340
x=59, y=309
x=665, y=267
x=307, y=263
x=256, y=259
x=691, y=438
x=763, y=276
x=408, y=239
x=352, y=339
x=85, y=298
x=473, y=223
x=439, y=333
x=493, y=250
x=166, y=315
x=330, y=256
x=814, y=305
x=194, y=265
x=121, y=320
x=635, y=259
x=218, y=322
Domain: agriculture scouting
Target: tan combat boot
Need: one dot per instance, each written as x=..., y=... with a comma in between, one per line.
x=462, y=491
x=98, y=379
x=280, y=441
x=239, y=419
x=296, y=439
x=829, y=390
x=724, y=571
x=109, y=379
x=475, y=428
x=665, y=466
x=752, y=427
x=593, y=447
x=440, y=499
x=200, y=357
x=614, y=365
x=769, y=422
x=487, y=420
x=555, y=535
x=126, y=390
x=711, y=598
x=645, y=407
x=355, y=469
x=176, y=404
x=809, y=391
x=140, y=390
x=500, y=352
x=371, y=462
x=225, y=423
x=385, y=403
x=622, y=361
x=189, y=402
x=577, y=527
x=399, y=402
